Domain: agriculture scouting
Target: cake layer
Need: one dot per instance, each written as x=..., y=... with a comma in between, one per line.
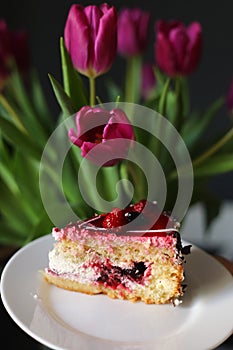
x=101, y=255
x=136, y=268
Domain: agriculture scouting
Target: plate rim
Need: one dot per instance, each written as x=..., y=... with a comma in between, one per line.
x=49, y=240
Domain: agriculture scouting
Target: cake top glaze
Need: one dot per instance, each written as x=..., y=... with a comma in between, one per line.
x=138, y=221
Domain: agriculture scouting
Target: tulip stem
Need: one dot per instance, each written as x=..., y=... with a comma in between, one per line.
x=92, y=91
x=133, y=79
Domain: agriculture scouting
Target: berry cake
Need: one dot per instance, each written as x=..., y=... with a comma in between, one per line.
x=125, y=254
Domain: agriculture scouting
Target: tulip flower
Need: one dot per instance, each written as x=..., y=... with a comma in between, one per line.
x=148, y=80
x=178, y=48
x=13, y=48
x=91, y=38
x=229, y=97
x=133, y=35
x=133, y=31
x=109, y=131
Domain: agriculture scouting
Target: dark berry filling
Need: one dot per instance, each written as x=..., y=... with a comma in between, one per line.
x=131, y=215
x=113, y=276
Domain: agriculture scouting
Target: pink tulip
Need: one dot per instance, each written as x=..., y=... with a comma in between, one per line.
x=229, y=97
x=178, y=48
x=91, y=38
x=111, y=131
x=148, y=80
x=133, y=31
x=13, y=47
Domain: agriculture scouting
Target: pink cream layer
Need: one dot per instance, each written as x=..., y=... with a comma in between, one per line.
x=76, y=232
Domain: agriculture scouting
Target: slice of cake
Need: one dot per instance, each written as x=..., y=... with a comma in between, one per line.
x=124, y=254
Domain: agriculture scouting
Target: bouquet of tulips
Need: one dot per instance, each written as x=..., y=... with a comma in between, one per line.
x=92, y=157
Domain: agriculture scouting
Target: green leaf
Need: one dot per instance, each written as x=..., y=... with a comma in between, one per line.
x=217, y=164
x=16, y=207
x=9, y=235
x=213, y=149
x=27, y=113
x=73, y=85
x=8, y=177
x=22, y=165
x=193, y=130
x=113, y=90
x=163, y=97
x=160, y=77
x=18, y=139
x=69, y=180
x=42, y=227
x=40, y=103
x=9, y=113
x=62, y=97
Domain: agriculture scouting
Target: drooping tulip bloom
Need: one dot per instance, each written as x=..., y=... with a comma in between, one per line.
x=148, y=80
x=103, y=136
x=13, y=48
x=177, y=48
x=91, y=38
x=133, y=31
x=229, y=97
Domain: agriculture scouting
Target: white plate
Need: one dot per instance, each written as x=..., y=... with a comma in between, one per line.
x=62, y=319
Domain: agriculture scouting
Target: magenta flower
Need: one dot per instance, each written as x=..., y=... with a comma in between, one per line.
x=148, y=81
x=229, y=97
x=133, y=31
x=13, y=47
x=178, y=48
x=111, y=131
x=91, y=38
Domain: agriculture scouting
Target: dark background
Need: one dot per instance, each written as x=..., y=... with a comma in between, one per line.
x=44, y=22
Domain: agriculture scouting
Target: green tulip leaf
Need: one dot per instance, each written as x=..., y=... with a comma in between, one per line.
x=195, y=127
x=18, y=139
x=10, y=235
x=73, y=85
x=28, y=113
x=40, y=103
x=63, y=99
x=217, y=164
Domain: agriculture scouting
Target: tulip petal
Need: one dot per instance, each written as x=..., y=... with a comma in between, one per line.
x=90, y=121
x=194, y=48
x=179, y=41
x=118, y=126
x=74, y=138
x=128, y=40
x=90, y=38
x=104, y=137
x=133, y=31
x=76, y=36
x=177, y=48
x=93, y=15
x=164, y=55
x=105, y=45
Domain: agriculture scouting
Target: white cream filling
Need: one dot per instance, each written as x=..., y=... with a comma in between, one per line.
x=82, y=273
